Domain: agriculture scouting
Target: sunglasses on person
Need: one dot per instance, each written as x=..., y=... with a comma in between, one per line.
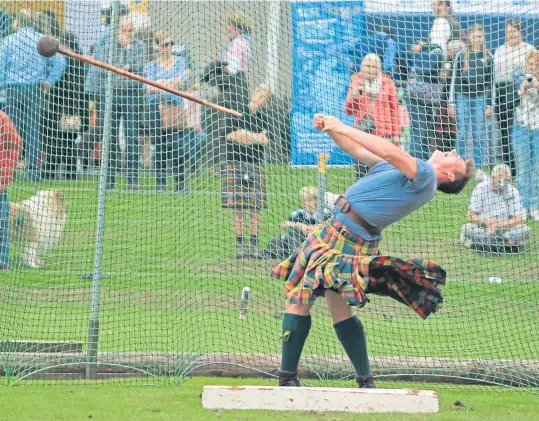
x=166, y=44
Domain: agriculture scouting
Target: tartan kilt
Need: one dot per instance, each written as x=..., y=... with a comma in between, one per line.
x=335, y=258
x=243, y=186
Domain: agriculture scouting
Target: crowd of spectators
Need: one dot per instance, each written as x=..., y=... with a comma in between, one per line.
x=452, y=89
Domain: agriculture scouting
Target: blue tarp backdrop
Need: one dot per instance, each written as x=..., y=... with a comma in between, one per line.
x=330, y=38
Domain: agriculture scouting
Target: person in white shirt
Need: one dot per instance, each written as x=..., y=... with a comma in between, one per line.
x=238, y=52
x=495, y=216
x=509, y=61
x=446, y=27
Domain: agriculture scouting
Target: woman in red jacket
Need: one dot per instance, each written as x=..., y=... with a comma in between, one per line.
x=10, y=147
x=372, y=99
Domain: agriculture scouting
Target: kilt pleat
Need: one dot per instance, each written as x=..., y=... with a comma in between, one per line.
x=333, y=257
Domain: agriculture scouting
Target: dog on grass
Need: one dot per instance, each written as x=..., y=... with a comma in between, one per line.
x=36, y=224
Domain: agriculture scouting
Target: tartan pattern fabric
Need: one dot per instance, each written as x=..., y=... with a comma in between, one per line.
x=243, y=186
x=332, y=257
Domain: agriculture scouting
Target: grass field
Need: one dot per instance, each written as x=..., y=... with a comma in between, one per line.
x=137, y=403
x=171, y=283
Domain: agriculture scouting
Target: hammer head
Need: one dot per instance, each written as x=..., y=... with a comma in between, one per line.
x=47, y=46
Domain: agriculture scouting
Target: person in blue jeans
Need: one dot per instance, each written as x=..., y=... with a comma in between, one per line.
x=27, y=77
x=169, y=142
x=526, y=137
x=470, y=97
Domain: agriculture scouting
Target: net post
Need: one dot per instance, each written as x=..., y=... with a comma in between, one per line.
x=93, y=324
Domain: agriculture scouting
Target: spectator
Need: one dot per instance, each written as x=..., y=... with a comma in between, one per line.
x=169, y=134
x=424, y=94
x=127, y=101
x=95, y=84
x=243, y=188
x=10, y=146
x=67, y=111
x=300, y=223
x=445, y=126
x=238, y=51
x=526, y=137
x=194, y=137
x=274, y=112
x=495, y=216
x=220, y=86
x=28, y=78
x=372, y=99
x=446, y=27
x=470, y=97
x=509, y=60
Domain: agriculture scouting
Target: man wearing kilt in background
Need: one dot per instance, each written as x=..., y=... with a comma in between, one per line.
x=340, y=259
x=240, y=147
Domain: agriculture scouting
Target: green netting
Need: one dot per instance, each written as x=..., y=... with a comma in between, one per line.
x=124, y=208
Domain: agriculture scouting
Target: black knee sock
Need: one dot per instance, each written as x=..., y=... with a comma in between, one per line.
x=295, y=331
x=350, y=333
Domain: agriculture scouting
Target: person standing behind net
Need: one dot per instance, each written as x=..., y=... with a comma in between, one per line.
x=526, y=138
x=509, y=62
x=446, y=27
x=243, y=186
x=372, y=100
x=169, y=137
x=127, y=100
x=10, y=147
x=27, y=78
x=238, y=53
x=471, y=97
x=340, y=260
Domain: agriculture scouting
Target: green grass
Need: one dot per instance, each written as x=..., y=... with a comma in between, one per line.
x=138, y=403
x=171, y=282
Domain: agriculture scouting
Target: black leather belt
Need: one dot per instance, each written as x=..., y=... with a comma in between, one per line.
x=344, y=206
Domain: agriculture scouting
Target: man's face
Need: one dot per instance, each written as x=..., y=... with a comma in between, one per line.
x=449, y=162
x=232, y=32
x=477, y=38
x=499, y=183
x=125, y=29
x=512, y=35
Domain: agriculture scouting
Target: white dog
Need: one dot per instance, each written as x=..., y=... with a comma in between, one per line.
x=36, y=224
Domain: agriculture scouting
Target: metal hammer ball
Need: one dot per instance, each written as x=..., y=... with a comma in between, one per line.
x=47, y=46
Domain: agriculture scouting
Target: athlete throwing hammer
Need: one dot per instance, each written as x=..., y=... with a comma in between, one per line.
x=340, y=260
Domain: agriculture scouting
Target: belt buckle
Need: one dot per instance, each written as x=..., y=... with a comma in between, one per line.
x=343, y=231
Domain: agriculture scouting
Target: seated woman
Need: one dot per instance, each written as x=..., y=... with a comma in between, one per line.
x=495, y=216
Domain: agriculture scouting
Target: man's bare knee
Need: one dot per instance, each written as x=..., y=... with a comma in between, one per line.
x=338, y=307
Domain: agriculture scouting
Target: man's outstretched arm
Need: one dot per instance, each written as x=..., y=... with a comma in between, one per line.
x=348, y=145
x=376, y=145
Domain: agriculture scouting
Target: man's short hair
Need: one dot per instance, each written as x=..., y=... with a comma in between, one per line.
x=460, y=181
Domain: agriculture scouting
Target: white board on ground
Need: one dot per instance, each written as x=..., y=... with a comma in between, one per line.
x=320, y=399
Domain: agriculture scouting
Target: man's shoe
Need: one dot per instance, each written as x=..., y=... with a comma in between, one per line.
x=289, y=379
x=365, y=382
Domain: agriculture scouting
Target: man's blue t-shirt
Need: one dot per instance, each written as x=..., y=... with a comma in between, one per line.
x=385, y=196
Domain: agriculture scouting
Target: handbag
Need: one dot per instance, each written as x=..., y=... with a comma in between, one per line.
x=424, y=93
x=367, y=124
x=173, y=117
x=70, y=123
